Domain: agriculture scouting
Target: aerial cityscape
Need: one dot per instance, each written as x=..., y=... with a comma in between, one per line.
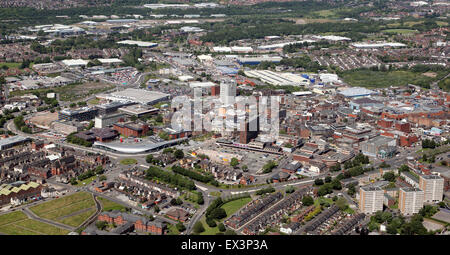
x=249, y=117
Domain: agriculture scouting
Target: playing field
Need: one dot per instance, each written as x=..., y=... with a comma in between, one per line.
x=71, y=210
x=17, y=223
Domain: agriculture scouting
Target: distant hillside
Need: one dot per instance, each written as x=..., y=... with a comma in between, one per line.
x=65, y=4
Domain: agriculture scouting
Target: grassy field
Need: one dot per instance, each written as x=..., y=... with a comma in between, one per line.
x=78, y=219
x=94, y=101
x=173, y=230
x=11, y=217
x=376, y=79
x=323, y=199
x=110, y=205
x=400, y=31
x=70, y=92
x=71, y=210
x=60, y=202
x=128, y=161
x=230, y=207
x=41, y=227
x=86, y=181
x=17, y=223
x=10, y=64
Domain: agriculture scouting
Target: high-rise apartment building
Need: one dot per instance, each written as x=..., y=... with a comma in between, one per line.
x=432, y=186
x=410, y=200
x=371, y=199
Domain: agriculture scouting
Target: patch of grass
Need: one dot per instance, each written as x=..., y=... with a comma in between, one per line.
x=77, y=220
x=323, y=199
x=86, y=181
x=172, y=230
x=15, y=230
x=109, y=205
x=128, y=161
x=60, y=202
x=215, y=193
x=233, y=206
x=399, y=31
x=41, y=227
x=72, y=92
x=230, y=208
x=73, y=208
x=94, y=101
x=10, y=64
x=378, y=79
x=349, y=210
x=11, y=217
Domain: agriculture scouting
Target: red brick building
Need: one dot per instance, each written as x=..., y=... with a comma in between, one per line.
x=140, y=223
x=131, y=129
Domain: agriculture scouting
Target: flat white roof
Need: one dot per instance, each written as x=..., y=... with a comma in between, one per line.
x=75, y=62
x=141, y=96
x=206, y=84
x=109, y=60
x=138, y=43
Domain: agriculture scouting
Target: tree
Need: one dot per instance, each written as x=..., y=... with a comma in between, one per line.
x=289, y=189
x=211, y=223
x=229, y=232
x=389, y=176
x=403, y=168
x=307, y=200
x=221, y=227
x=218, y=213
x=156, y=208
x=336, y=184
x=328, y=179
x=245, y=168
x=373, y=226
x=180, y=227
x=234, y=162
x=149, y=158
x=101, y=224
x=102, y=178
x=73, y=181
x=198, y=227
x=342, y=203
x=179, y=154
x=318, y=182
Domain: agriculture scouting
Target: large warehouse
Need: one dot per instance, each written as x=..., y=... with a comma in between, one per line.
x=356, y=92
x=140, y=96
x=278, y=79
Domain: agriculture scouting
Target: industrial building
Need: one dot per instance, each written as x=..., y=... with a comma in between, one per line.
x=12, y=141
x=278, y=79
x=140, y=96
x=75, y=62
x=139, y=110
x=356, y=92
x=82, y=114
x=258, y=60
x=138, y=43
